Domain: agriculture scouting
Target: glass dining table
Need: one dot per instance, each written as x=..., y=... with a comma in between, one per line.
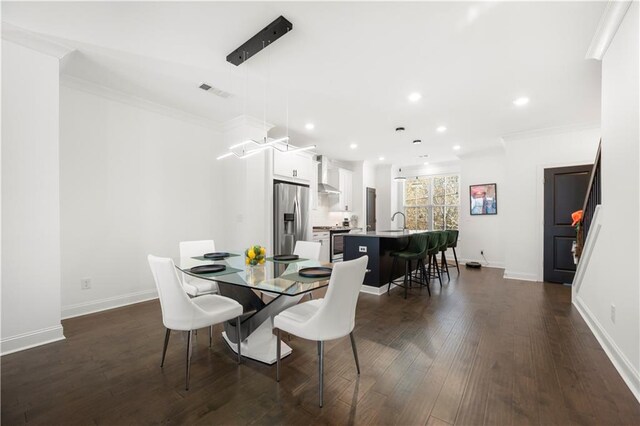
x=243, y=283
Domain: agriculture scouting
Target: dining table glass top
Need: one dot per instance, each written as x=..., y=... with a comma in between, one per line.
x=271, y=277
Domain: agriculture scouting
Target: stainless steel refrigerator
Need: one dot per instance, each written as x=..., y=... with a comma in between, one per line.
x=290, y=215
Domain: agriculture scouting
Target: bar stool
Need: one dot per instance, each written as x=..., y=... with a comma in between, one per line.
x=452, y=243
x=432, y=253
x=444, y=240
x=416, y=250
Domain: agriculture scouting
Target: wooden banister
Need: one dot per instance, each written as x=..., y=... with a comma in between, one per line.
x=592, y=199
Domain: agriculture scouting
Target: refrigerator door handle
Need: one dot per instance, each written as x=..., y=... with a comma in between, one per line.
x=298, y=219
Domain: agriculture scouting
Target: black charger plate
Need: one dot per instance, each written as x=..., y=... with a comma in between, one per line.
x=315, y=272
x=216, y=256
x=207, y=269
x=285, y=257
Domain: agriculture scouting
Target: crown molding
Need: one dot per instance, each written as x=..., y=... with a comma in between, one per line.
x=34, y=41
x=129, y=99
x=609, y=23
x=528, y=134
x=486, y=152
x=244, y=120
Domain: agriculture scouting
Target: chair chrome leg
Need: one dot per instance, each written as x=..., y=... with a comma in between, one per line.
x=210, y=335
x=321, y=372
x=239, y=337
x=189, y=350
x=355, y=351
x=277, y=354
x=166, y=343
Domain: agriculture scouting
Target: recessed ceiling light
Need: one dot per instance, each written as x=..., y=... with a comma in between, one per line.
x=417, y=142
x=456, y=147
x=521, y=101
x=441, y=129
x=415, y=97
x=426, y=163
x=381, y=158
x=309, y=126
x=353, y=146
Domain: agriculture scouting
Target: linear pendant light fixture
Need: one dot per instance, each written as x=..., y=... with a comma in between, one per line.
x=255, y=44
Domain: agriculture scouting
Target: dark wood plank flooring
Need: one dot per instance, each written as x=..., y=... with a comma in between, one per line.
x=481, y=350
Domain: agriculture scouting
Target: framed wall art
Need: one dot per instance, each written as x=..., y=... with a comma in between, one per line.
x=483, y=199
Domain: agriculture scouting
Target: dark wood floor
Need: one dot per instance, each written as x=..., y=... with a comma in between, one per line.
x=483, y=350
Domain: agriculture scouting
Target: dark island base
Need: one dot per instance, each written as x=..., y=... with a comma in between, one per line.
x=379, y=251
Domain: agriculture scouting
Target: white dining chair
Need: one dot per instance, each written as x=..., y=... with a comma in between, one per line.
x=181, y=313
x=192, y=285
x=329, y=318
x=308, y=249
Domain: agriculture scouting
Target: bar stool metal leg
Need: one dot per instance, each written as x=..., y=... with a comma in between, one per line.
x=393, y=267
x=455, y=256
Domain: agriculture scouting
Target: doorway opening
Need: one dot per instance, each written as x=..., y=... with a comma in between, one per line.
x=564, y=192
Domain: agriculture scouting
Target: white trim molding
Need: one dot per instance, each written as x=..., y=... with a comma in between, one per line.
x=34, y=41
x=378, y=291
x=484, y=263
x=31, y=339
x=97, y=89
x=625, y=368
x=93, y=306
x=522, y=276
x=537, y=133
x=607, y=28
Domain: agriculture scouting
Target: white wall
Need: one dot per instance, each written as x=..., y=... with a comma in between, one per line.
x=30, y=199
x=133, y=182
x=520, y=199
x=611, y=276
x=486, y=233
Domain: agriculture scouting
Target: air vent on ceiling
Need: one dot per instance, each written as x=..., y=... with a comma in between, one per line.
x=218, y=92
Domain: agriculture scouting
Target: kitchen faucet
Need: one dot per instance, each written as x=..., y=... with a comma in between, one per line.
x=404, y=222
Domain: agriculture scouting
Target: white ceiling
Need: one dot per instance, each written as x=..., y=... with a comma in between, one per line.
x=346, y=67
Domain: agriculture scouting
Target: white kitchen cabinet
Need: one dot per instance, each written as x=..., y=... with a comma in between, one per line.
x=313, y=186
x=343, y=180
x=294, y=167
x=323, y=239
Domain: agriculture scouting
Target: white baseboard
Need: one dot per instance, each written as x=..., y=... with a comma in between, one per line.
x=93, y=306
x=626, y=370
x=522, y=276
x=378, y=291
x=461, y=262
x=31, y=339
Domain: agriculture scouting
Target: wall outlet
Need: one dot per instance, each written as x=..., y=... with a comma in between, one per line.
x=362, y=249
x=85, y=283
x=613, y=313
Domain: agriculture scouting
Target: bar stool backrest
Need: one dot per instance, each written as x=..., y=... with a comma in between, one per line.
x=452, y=242
x=418, y=243
x=433, y=243
x=442, y=245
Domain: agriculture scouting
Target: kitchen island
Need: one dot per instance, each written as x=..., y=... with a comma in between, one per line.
x=378, y=245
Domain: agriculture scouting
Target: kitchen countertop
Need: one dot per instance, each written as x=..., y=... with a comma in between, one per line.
x=385, y=234
x=333, y=228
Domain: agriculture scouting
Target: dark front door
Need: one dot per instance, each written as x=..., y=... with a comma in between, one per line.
x=371, y=209
x=564, y=192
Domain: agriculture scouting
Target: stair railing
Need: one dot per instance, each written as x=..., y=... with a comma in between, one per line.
x=591, y=200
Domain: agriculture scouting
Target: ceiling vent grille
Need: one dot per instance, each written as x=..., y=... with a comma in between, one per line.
x=218, y=92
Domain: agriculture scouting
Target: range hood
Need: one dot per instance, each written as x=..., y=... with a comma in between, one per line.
x=323, y=177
